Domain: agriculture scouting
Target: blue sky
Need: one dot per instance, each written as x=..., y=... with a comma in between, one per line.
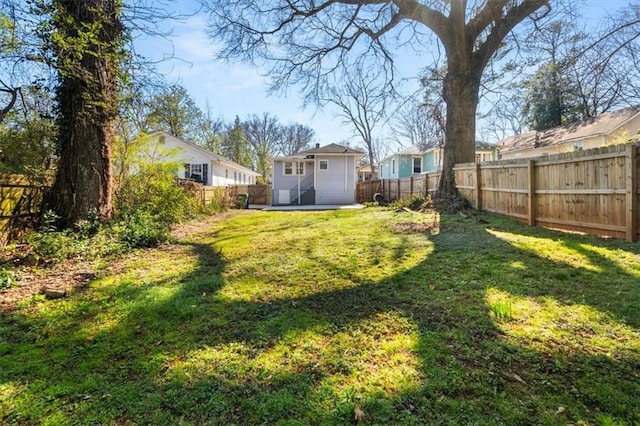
x=230, y=88
x=238, y=89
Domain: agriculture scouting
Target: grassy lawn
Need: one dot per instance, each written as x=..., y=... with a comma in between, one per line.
x=339, y=317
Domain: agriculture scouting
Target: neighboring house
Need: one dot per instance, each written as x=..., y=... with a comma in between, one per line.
x=200, y=164
x=322, y=175
x=605, y=129
x=365, y=172
x=403, y=163
x=413, y=161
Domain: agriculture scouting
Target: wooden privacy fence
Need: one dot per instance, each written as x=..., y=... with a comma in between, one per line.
x=594, y=191
x=392, y=189
x=20, y=201
x=258, y=194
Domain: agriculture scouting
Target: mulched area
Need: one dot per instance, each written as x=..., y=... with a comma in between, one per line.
x=64, y=277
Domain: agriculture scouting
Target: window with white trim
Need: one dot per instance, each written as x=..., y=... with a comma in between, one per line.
x=417, y=165
x=293, y=168
x=393, y=167
x=323, y=165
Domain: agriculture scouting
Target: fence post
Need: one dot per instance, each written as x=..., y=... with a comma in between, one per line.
x=631, y=201
x=531, y=177
x=426, y=184
x=478, y=188
x=411, y=187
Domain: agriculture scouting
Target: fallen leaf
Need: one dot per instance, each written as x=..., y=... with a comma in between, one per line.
x=358, y=414
x=518, y=378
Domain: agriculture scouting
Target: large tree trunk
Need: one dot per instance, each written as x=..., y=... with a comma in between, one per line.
x=461, y=88
x=87, y=107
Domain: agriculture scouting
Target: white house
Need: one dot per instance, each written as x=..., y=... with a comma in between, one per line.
x=322, y=175
x=605, y=129
x=200, y=164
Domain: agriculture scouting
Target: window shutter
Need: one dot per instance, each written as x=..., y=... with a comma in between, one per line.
x=205, y=173
x=187, y=170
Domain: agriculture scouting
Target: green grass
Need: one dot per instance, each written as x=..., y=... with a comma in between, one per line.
x=309, y=318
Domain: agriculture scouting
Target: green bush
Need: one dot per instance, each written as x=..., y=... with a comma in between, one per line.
x=147, y=203
x=154, y=190
x=88, y=239
x=7, y=279
x=142, y=229
x=415, y=202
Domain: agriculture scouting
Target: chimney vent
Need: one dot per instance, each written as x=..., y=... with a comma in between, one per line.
x=317, y=145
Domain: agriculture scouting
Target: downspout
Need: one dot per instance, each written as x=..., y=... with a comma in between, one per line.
x=298, y=174
x=346, y=173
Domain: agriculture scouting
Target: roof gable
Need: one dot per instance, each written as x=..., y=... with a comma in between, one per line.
x=204, y=152
x=332, y=148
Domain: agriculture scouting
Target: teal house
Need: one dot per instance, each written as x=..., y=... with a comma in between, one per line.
x=413, y=161
x=404, y=163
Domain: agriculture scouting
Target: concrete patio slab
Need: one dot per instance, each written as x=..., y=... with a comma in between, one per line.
x=314, y=207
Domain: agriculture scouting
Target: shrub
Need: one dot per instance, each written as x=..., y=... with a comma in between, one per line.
x=415, y=202
x=154, y=190
x=7, y=280
x=142, y=229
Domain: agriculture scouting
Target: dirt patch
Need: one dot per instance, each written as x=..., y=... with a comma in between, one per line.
x=65, y=277
x=72, y=275
x=430, y=228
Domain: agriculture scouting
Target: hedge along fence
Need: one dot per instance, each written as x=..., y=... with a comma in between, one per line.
x=20, y=201
x=593, y=191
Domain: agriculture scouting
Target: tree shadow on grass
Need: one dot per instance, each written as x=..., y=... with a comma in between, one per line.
x=419, y=347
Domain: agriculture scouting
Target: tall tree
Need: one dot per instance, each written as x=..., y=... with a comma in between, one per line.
x=87, y=41
x=361, y=105
x=175, y=112
x=236, y=146
x=210, y=130
x=296, y=137
x=264, y=133
x=549, y=101
x=423, y=123
x=304, y=42
x=417, y=124
x=27, y=139
x=22, y=70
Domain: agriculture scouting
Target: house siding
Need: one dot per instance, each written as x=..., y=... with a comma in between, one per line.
x=218, y=173
x=337, y=184
x=430, y=163
x=385, y=170
x=282, y=182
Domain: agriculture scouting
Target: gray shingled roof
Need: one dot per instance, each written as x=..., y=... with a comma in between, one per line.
x=332, y=148
x=603, y=124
